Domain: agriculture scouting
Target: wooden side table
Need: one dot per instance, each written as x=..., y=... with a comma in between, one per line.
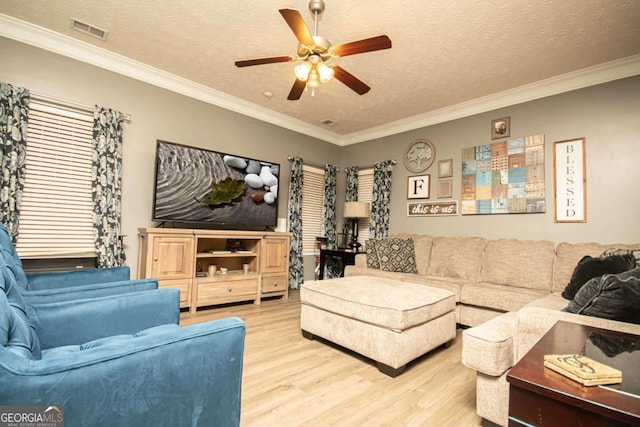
x=348, y=257
x=539, y=396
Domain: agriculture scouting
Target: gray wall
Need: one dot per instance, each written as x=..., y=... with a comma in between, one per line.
x=607, y=115
x=157, y=114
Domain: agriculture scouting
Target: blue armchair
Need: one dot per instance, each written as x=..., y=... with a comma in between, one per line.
x=120, y=360
x=69, y=285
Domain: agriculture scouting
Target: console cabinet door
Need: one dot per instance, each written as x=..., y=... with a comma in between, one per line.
x=275, y=255
x=172, y=257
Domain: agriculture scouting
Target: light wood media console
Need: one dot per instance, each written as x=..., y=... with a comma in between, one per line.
x=180, y=258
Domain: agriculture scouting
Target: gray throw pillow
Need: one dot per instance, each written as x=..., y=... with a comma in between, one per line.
x=612, y=296
x=395, y=254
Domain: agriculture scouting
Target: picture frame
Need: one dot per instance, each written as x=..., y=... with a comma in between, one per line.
x=570, y=180
x=445, y=188
x=445, y=168
x=501, y=128
x=418, y=187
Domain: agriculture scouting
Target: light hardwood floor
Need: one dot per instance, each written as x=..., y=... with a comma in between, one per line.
x=291, y=381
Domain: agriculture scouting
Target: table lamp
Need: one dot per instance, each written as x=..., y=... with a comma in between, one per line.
x=355, y=210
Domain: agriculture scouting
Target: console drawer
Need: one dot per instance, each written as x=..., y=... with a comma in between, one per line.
x=228, y=290
x=274, y=283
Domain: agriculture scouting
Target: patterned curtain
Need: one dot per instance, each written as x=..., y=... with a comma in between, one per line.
x=351, y=195
x=296, y=266
x=14, y=113
x=329, y=213
x=379, y=228
x=352, y=184
x=107, y=178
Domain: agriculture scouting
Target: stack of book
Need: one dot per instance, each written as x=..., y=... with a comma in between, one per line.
x=580, y=368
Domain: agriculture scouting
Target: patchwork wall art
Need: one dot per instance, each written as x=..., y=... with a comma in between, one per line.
x=504, y=177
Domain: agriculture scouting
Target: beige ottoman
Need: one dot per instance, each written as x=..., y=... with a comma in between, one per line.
x=389, y=321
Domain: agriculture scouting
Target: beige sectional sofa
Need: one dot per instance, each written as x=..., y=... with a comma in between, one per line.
x=488, y=277
x=507, y=291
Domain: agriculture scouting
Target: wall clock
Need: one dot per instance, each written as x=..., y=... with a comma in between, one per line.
x=419, y=155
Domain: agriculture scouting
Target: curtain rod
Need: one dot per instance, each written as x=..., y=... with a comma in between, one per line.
x=79, y=106
x=393, y=163
x=290, y=158
x=315, y=165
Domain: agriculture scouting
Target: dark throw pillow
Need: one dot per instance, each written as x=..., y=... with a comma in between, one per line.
x=397, y=255
x=589, y=267
x=618, y=251
x=612, y=296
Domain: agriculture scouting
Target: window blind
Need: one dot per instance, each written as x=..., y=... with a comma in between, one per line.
x=365, y=194
x=56, y=216
x=312, y=202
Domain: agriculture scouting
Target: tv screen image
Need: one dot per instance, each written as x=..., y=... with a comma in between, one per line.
x=205, y=186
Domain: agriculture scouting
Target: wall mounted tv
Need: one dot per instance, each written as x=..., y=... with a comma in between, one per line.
x=213, y=189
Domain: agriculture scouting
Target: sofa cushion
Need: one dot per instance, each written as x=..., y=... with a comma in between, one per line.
x=457, y=257
x=449, y=283
x=568, y=255
x=520, y=263
x=470, y=315
x=396, y=254
x=352, y=270
x=612, y=296
x=553, y=301
x=589, y=267
x=499, y=297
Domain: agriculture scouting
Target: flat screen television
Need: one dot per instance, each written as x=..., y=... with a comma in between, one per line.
x=213, y=189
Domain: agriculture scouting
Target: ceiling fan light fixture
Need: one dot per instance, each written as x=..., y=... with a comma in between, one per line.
x=325, y=72
x=302, y=71
x=314, y=79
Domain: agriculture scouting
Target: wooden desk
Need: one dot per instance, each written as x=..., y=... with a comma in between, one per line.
x=348, y=257
x=539, y=396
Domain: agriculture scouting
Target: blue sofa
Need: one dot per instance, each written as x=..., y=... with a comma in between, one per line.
x=69, y=285
x=119, y=360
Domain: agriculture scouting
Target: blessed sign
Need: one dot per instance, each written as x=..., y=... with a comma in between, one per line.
x=570, y=181
x=432, y=208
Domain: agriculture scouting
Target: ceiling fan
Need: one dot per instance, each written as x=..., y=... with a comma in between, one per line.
x=314, y=51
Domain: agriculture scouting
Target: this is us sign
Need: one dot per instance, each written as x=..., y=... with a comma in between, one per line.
x=432, y=208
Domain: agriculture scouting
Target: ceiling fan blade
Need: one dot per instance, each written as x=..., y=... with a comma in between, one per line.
x=296, y=90
x=260, y=61
x=297, y=25
x=361, y=46
x=350, y=80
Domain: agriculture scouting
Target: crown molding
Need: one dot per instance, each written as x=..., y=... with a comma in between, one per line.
x=591, y=76
x=43, y=38
x=52, y=41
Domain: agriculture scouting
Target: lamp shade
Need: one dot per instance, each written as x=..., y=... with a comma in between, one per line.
x=356, y=210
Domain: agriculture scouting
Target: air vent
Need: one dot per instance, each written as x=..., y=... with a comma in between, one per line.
x=83, y=27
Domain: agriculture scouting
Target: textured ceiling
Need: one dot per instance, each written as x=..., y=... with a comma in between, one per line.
x=445, y=52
